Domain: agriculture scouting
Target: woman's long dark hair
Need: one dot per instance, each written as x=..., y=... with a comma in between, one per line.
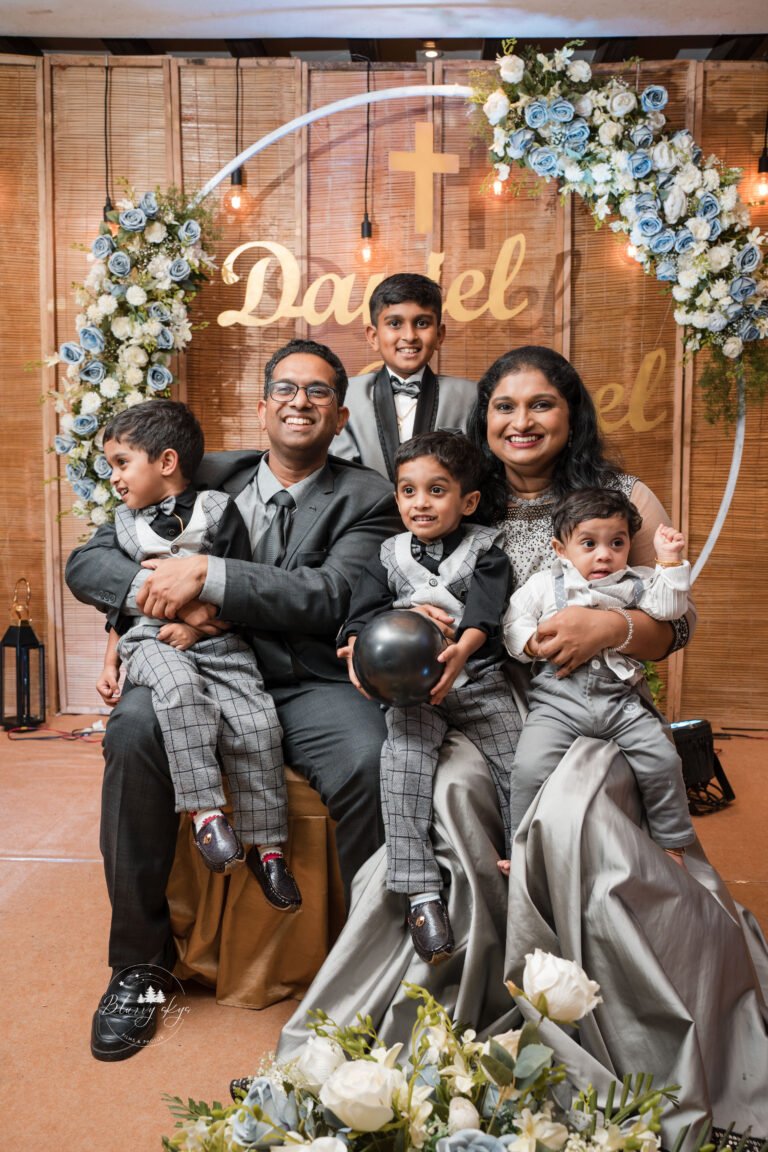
x=582, y=464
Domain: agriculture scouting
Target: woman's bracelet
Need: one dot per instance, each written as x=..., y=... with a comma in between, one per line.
x=630, y=629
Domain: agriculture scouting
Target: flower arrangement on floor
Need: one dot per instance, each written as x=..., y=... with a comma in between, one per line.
x=344, y=1091
x=147, y=264
x=603, y=141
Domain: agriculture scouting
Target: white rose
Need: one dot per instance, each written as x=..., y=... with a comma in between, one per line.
x=733, y=347
x=509, y=1041
x=90, y=403
x=462, y=1114
x=655, y=121
x=579, y=71
x=680, y=293
x=122, y=327
x=622, y=102
x=688, y=178
x=101, y=494
x=699, y=227
x=561, y=987
x=134, y=354
x=681, y=316
x=663, y=157
x=583, y=105
x=317, y=1059
x=99, y=516
x=511, y=68
x=500, y=138
x=136, y=295
x=608, y=132
x=155, y=232
x=496, y=106
x=719, y=257
x=688, y=277
x=728, y=197
x=675, y=205
x=133, y=377
x=94, y=313
x=107, y=303
x=360, y=1093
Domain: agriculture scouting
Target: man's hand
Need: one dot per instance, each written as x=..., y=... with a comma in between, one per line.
x=180, y=636
x=438, y=616
x=170, y=585
x=108, y=684
x=345, y=653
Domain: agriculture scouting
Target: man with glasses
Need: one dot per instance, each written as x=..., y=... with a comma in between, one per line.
x=314, y=522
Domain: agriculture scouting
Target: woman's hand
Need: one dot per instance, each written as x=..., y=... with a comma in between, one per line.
x=438, y=616
x=574, y=635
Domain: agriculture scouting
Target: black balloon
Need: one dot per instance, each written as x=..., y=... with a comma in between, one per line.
x=395, y=657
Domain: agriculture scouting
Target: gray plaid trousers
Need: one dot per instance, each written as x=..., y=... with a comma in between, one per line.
x=211, y=697
x=485, y=712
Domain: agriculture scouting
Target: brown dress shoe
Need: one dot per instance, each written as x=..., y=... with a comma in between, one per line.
x=219, y=844
x=275, y=881
x=431, y=931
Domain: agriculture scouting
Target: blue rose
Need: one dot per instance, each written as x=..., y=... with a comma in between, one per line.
x=561, y=110
x=76, y=471
x=742, y=287
x=519, y=142
x=641, y=136
x=119, y=264
x=179, y=269
x=276, y=1106
x=159, y=312
x=697, y=154
x=543, y=161
x=118, y=291
x=133, y=220
x=684, y=240
x=748, y=330
x=576, y=135
x=62, y=445
x=470, y=1140
x=645, y=200
x=71, y=353
x=165, y=339
x=159, y=378
x=761, y=310
x=102, y=246
x=92, y=339
x=709, y=206
x=84, y=488
x=649, y=224
x=640, y=164
x=654, y=98
x=662, y=242
x=577, y=148
x=733, y=310
x=93, y=372
x=748, y=258
x=663, y=180
x=84, y=425
x=189, y=232
x=102, y=468
x=148, y=204
x=666, y=270
x=536, y=113
x=717, y=322
x=715, y=228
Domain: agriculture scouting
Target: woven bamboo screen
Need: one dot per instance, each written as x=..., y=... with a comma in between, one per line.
x=725, y=672
x=23, y=511
x=575, y=289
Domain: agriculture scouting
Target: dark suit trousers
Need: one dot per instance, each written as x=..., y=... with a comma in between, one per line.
x=332, y=736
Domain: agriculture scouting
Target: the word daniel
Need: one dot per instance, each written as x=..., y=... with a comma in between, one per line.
x=329, y=297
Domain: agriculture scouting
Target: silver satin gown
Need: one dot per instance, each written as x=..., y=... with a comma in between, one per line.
x=680, y=965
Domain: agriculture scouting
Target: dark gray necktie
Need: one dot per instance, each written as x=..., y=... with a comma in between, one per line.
x=277, y=533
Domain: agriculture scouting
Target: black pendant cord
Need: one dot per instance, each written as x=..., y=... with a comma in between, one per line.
x=237, y=106
x=107, y=91
x=367, y=139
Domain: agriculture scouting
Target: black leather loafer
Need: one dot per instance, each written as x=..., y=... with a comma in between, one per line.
x=218, y=844
x=125, y=1021
x=431, y=931
x=275, y=881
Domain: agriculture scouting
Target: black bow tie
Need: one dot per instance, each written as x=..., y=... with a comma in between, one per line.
x=405, y=388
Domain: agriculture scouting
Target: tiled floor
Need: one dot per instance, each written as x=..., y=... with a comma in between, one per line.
x=54, y=920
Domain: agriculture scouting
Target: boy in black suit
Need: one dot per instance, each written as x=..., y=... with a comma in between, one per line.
x=404, y=398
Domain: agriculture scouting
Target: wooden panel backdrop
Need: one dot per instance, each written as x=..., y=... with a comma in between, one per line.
x=575, y=288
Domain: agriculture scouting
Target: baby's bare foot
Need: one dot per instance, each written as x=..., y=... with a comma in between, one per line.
x=503, y=867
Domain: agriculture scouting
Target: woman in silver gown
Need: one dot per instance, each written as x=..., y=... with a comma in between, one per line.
x=679, y=964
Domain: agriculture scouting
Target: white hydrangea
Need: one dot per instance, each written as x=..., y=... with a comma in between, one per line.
x=155, y=232
x=101, y=494
x=99, y=516
x=90, y=403
x=133, y=398
x=107, y=303
x=136, y=296
x=109, y=387
x=122, y=327
x=133, y=377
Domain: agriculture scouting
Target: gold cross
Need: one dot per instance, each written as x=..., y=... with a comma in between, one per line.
x=424, y=163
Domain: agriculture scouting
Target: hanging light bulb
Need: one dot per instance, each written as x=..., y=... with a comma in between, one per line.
x=364, y=250
x=631, y=251
x=498, y=186
x=237, y=199
x=430, y=50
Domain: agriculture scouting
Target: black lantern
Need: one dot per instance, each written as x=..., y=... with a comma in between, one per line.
x=28, y=662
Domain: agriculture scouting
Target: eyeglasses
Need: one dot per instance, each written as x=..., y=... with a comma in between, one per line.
x=321, y=395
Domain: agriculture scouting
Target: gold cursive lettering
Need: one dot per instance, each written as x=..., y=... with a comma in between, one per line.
x=503, y=276
x=254, y=291
x=456, y=295
x=611, y=396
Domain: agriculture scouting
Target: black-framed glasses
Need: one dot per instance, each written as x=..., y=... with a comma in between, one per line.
x=321, y=395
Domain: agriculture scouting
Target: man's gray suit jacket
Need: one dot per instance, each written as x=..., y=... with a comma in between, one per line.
x=291, y=613
x=371, y=435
